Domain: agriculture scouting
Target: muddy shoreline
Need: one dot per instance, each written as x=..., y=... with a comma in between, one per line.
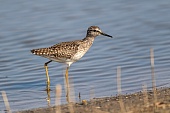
x=140, y=102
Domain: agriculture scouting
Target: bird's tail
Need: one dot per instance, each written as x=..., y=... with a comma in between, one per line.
x=41, y=51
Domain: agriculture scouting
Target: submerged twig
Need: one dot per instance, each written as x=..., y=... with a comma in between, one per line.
x=6, y=101
x=119, y=90
x=153, y=74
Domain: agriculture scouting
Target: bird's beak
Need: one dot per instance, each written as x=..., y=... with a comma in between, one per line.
x=106, y=34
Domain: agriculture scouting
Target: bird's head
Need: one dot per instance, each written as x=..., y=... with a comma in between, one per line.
x=94, y=31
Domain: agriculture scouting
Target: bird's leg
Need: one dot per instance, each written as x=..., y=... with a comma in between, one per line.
x=47, y=76
x=67, y=85
x=66, y=76
x=48, y=97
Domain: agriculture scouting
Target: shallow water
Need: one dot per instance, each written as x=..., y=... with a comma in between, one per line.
x=136, y=25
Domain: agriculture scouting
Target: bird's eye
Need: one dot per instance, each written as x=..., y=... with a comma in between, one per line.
x=95, y=30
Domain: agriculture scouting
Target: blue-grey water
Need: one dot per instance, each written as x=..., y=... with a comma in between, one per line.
x=135, y=25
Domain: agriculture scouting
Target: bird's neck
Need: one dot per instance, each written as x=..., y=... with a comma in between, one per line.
x=89, y=39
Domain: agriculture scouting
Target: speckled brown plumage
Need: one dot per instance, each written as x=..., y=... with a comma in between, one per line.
x=62, y=50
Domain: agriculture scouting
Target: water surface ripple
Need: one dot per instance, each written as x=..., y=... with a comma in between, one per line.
x=135, y=25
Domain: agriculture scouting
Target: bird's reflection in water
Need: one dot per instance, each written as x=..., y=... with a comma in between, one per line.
x=48, y=98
